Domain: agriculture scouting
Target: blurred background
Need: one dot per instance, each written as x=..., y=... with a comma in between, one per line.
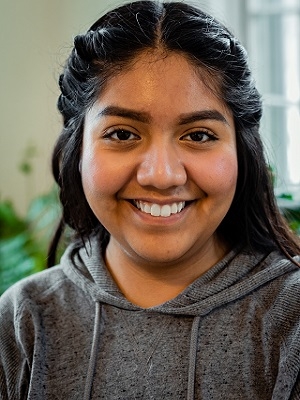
x=35, y=38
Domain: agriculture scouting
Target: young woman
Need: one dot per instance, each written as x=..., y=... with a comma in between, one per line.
x=182, y=281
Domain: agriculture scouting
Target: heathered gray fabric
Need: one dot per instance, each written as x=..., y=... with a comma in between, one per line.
x=68, y=333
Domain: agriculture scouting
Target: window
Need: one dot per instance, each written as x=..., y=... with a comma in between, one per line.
x=273, y=41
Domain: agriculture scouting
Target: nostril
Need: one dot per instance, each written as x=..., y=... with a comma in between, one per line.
x=162, y=174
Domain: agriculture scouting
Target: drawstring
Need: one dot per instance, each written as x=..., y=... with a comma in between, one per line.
x=94, y=352
x=192, y=359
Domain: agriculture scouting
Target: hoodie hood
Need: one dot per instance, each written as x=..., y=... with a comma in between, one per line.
x=237, y=274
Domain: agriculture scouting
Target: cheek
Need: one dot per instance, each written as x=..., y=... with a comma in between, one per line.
x=100, y=176
x=225, y=173
x=218, y=176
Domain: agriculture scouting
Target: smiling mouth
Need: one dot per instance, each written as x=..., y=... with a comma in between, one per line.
x=157, y=210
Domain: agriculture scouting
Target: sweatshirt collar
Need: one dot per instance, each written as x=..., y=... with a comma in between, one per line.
x=237, y=274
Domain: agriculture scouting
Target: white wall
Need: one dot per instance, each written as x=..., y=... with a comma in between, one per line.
x=35, y=39
x=230, y=12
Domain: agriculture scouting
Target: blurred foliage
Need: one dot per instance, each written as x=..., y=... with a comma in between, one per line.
x=24, y=241
x=293, y=218
x=290, y=209
x=26, y=166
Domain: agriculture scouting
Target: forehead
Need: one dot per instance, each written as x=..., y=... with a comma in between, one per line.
x=163, y=81
x=158, y=61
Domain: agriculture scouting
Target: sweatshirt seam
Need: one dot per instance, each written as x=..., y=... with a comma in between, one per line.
x=269, y=317
x=271, y=320
x=272, y=310
x=19, y=313
x=54, y=287
x=27, y=302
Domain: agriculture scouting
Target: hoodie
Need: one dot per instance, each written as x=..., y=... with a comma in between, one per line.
x=234, y=333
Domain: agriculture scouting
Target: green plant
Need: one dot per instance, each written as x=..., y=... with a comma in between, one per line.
x=24, y=241
x=290, y=209
x=293, y=218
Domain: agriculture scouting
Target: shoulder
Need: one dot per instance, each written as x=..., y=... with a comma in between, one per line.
x=288, y=281
x=275, y=283
x=283, y=278
x=288, y=298
x=20, y=304
x=280, y=299
x=32, y=289
x=38, y=304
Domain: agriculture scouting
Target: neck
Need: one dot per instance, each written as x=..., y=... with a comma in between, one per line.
x=146, y=284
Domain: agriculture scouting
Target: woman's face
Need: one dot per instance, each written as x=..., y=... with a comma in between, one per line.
x=159, y=162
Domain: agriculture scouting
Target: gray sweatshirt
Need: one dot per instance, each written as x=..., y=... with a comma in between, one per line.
x=234, y=333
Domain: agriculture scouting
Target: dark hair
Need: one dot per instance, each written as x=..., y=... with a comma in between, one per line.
x=109, y=46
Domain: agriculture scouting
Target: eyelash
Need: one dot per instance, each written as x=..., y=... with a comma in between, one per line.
x=210, y=136
x=118, y=131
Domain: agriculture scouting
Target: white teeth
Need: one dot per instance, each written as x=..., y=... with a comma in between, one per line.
x=147, y=208
x=165, y=211
x=155, y=210
x=160, y=211
x=174, y=208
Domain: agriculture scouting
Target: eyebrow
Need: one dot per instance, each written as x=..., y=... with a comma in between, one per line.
x=116, y=111
x=144, y=117
x=202, y=115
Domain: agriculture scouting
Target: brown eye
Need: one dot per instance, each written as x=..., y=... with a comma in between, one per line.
x=121, y=135
x=199, y=136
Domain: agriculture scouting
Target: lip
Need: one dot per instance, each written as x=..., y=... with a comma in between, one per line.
x=161, y=202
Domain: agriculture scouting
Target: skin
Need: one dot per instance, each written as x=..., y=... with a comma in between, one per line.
x=158, y=135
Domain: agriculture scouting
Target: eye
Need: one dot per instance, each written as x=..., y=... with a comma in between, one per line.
x=199, y=136
x=120, y=135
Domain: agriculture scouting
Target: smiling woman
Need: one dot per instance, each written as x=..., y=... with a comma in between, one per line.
x=182, y=272
x=143, y=153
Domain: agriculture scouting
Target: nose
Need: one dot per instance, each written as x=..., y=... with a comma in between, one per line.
x=161, y=167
